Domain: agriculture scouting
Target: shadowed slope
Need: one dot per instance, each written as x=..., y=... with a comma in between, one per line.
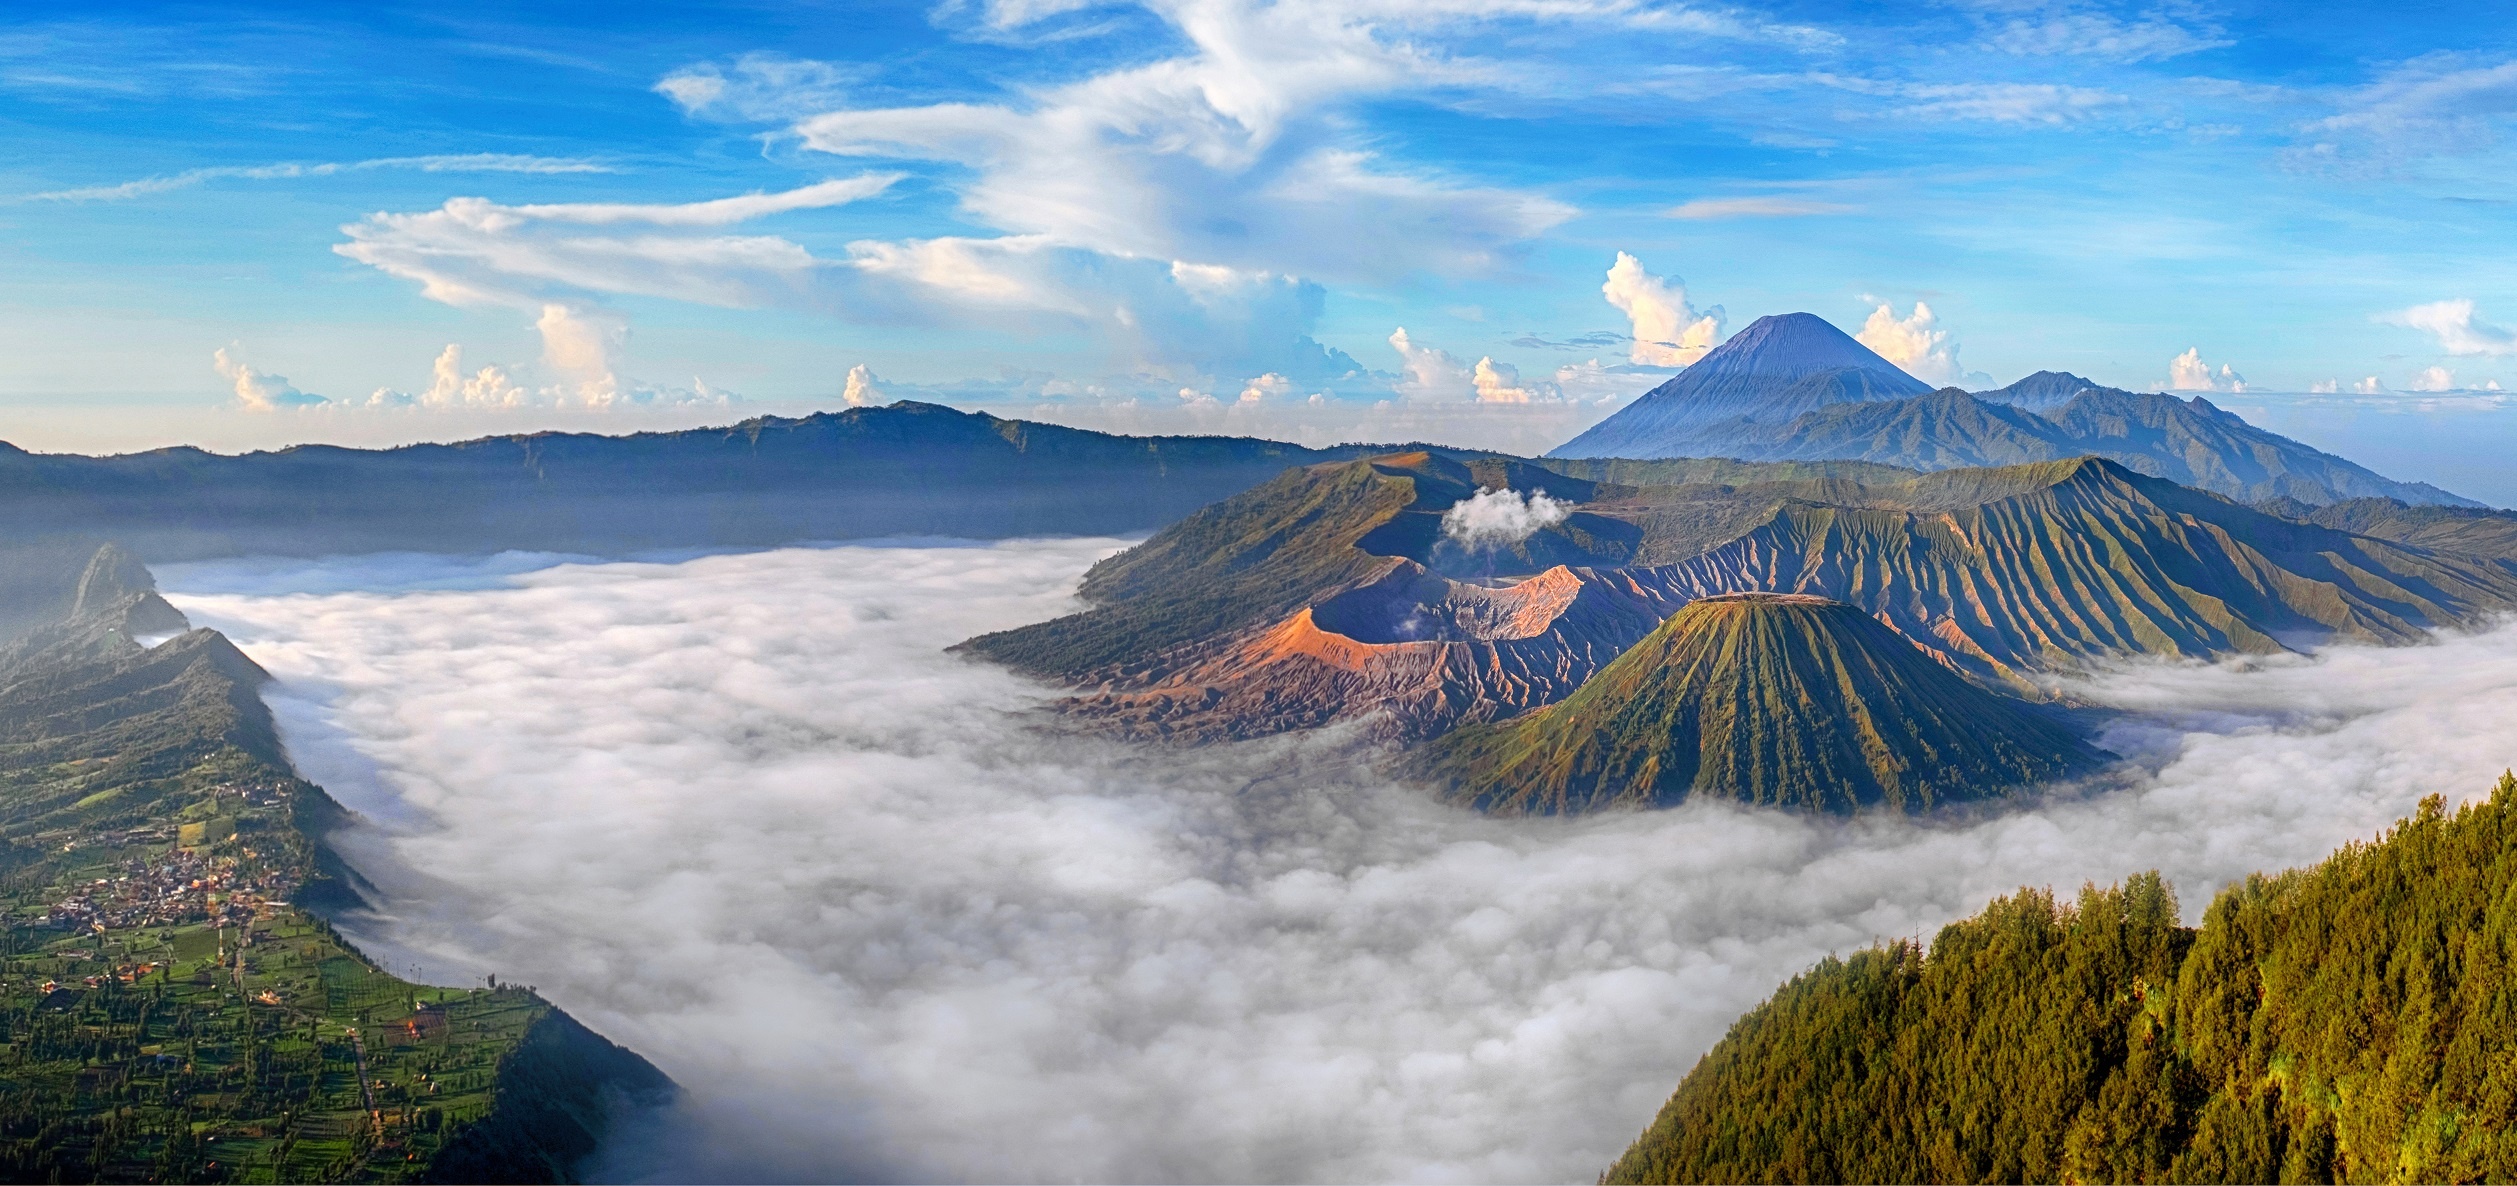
x=905, y=469
x=1773, y=699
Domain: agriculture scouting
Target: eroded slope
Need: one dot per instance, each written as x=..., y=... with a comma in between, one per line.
x=1773, y=699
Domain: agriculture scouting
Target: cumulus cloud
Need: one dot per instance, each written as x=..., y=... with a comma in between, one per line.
x=259, y=391
x=1915, y=343
x=1494, y=518
x=2324, y=387
x=488, y=388
x=2369, y=386
x=579, y=348
x=2456, y=327
x=1668, y=331
x=745, y=816
x=1428, y=372
x=2188, y=372
x=1499, y=383
x=860, y=390
x=2434, y=379
x=1266, y=387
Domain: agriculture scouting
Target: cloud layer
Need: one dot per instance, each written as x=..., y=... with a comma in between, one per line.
x=742, y=814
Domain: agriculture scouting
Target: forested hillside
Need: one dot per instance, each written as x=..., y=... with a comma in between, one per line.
x=2353, y=1021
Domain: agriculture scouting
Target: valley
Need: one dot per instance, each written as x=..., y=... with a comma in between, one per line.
x=172, y=1006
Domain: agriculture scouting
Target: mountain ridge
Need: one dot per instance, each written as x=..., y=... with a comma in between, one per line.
x=2013, y=577
x=1756, y=405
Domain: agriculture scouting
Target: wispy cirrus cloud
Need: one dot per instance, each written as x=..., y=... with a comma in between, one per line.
x=1705, y=209
x=2436, y=104
x=2066, y=33
x=758, y=87
x=475, y=162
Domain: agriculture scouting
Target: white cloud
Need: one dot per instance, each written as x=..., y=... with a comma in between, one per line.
x=1174, y=319
x=473, y=251
x=1668, y=331
x=743, y=815
x=259, y=391
x=2369, y=386
x=2438, y=103
x=2458, y=331
x=860, y=390
x=2434, y=379
x=1499, y=383
x=1495, y=518
x=2324, y=387
x=1915, y=343
x=1592, y=382
x=475, y=162
x=1232, y=153
x=1428, y=372
x=2099, y=35
x=2188, y=372
x=1712, y=208
x=579, y=350
x=2043, y=104
x=1266, y=387
x=450, y=388
x=760, y=87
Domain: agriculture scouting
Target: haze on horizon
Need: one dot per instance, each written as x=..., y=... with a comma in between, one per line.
x=1486, y=223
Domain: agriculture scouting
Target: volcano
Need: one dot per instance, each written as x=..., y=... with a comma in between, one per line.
x=1774, y=370
x=1775, y=699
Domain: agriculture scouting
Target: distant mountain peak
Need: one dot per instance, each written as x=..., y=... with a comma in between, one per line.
x=1791, y=346
x=2040, y=391
x=1779, y=367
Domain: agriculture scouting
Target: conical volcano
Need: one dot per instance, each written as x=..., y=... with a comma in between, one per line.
x=1774, y=699
x=1768, y=373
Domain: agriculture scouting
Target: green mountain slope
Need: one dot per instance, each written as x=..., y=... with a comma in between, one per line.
x=1305, y=604
x=2087, y=559
x=1773, y=699
x=169, y=1008
x=2353, y=1021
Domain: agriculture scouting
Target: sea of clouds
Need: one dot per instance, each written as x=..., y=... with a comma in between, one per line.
x=743, y=814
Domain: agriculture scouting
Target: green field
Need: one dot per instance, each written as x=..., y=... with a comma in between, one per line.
x=171, y=1009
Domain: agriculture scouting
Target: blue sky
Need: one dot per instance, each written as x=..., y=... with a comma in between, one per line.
x=247, y=226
